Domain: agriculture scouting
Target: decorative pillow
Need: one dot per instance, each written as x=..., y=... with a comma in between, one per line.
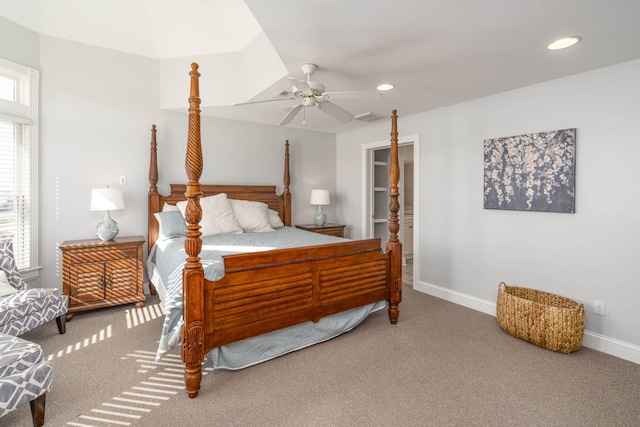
x=274, y=219
x=168, y=208
x=5, y=287
x=171, y=223
x=252, y=216
x=217, y=215
x=8, y=265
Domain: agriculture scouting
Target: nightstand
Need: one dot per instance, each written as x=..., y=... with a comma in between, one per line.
x=99, y=274
x=329, y=229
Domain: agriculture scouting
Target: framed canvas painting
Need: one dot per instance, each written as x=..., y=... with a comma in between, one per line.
x=532, y=172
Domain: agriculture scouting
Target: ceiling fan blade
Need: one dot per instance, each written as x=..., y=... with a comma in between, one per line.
x=336, y=112
x=290, y=115
x=258, y=101
x=301, y=85
x=353, y=94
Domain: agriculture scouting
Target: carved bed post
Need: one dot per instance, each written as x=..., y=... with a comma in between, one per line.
x=154, y=196
x=286, y=193
x=193, y=273
x=393, y=245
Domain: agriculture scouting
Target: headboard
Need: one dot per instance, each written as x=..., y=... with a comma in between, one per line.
x=280, y=203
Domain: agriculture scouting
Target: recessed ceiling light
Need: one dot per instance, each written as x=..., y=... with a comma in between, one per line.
x=385, y=86
x=564, y=43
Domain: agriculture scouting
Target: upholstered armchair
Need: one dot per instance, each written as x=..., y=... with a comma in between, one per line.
x=23, y=309
x=24, y=377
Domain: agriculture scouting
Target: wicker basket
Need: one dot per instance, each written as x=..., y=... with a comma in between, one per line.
x=544, y=319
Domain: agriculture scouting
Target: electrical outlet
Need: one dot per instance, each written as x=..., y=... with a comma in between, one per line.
x=123, y=180
x=599, y=308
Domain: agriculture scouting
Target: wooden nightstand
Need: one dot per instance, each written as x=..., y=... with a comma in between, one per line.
x=329, y=229
x=99, y=274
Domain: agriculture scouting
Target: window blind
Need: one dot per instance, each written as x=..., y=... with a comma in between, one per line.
x=18, y=160
x=15, y=189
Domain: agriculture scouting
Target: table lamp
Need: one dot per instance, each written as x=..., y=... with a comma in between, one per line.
x=106, y=199
x=320, y=198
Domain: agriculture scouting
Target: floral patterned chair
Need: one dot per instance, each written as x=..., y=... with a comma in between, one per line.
x=23, y=309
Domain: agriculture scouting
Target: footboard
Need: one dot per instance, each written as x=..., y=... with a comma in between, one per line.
x=266, y=291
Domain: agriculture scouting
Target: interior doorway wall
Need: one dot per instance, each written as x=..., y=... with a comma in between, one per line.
x=375, y=194
x=406, y=170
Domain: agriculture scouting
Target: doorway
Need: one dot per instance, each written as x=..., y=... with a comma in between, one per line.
x=375, y=193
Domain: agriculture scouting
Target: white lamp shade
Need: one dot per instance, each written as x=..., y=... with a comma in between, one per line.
x=319, y=197
x=106, y=199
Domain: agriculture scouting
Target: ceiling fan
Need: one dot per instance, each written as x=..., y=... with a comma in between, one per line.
x=311, y=93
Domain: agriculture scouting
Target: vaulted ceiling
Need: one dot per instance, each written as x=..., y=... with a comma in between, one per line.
x=436, y=52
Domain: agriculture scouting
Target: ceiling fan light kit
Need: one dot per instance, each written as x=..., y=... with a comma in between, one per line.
x=308, y=101
x=311, y=93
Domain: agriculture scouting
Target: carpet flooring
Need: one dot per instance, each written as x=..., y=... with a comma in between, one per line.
x=442, y=365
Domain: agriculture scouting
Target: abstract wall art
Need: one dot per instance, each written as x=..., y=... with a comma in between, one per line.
x=533, y=172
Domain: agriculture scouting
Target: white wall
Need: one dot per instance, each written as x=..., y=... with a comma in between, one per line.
x=23, y=49
x=97, y=108
x=465, y=251
x=237, y=152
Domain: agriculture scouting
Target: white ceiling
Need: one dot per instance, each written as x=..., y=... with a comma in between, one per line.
x=436, y=52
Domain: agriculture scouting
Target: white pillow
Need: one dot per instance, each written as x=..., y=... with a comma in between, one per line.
x=274, y=219
x=217, y=215
x=252, y=216
x=5, y=287
x=168, y=208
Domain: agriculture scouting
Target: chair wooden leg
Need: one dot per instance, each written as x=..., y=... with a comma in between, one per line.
x=62, y=323
x=37, y=410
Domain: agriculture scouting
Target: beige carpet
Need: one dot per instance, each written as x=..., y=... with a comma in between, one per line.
x=442, y=365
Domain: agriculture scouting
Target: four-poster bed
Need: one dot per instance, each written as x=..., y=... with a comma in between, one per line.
x=260, y=292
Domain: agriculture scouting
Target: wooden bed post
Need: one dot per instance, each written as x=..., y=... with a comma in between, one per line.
x=154, y=196
x=154, y=199
x=394, y=247
x=286, y=194
x=193, y=274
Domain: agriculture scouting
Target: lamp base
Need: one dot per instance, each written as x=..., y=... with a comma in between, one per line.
x=320, y=218
x=108, y=228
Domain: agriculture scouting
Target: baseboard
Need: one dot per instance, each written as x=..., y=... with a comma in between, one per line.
x=608, y=345
x=612, y=346
x=457, y=297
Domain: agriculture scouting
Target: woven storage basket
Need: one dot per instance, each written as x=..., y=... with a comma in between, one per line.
x=544, y=319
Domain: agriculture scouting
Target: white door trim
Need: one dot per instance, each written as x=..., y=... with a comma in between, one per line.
x=366, y=154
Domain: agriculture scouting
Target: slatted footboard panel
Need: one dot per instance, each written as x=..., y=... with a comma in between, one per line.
x=346, y=284
x=251, y=298
x=264, y=292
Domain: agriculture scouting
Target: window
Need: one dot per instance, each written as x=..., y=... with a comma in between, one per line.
x=18, y=163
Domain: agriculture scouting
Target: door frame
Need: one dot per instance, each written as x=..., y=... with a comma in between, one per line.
x=366, y=158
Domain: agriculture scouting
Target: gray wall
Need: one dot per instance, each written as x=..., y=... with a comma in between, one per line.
x=465, y=251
